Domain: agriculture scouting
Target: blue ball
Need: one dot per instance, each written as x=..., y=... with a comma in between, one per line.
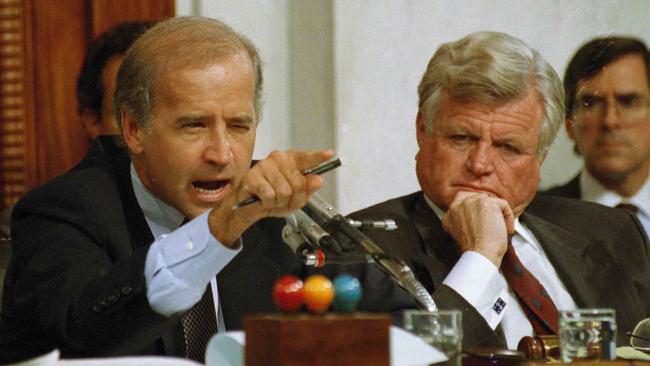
x=347, y=293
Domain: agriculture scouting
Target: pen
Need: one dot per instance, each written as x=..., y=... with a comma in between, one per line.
x=319, y=169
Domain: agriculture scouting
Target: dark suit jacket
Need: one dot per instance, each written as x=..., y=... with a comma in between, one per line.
x=76, y=279
x=570, y=189
x=600, y=254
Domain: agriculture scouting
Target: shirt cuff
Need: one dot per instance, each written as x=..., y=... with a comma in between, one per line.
x=180, y=265
x=477, y=280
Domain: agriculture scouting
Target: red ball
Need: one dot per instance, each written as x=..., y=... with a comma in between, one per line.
x=288, y=294
x=319, y=293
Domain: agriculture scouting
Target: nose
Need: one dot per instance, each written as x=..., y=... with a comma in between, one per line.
x=479, y=160
x=611, y=117
x=218, y=151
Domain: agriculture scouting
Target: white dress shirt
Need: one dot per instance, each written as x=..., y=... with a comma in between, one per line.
x=181, y=261
x=592, y=190
x=483, y=286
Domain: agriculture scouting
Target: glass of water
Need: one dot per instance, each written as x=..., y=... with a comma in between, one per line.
x=587, y=334
x=442, y=329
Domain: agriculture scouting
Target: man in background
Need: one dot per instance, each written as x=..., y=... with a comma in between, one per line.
x=477, y=236
x=607, y=86
x=119, y=255
x=96, y=81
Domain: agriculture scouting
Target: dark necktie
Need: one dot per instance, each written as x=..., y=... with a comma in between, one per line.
x=199, y=324
x=537, y=304
x=629, y=207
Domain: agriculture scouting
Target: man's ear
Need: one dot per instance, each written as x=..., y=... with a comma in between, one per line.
x=568, y=125
x=420, y=128
x=132, y=133
x=90, y=122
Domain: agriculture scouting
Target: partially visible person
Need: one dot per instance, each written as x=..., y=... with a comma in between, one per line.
x=476, y=235
x=607, y=86
x=119, y=255
x=5, y=243
x=96, y=80
x=5, y=221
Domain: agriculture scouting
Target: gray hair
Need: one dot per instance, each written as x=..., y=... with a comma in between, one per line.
x=174, y=43
x=492, y=68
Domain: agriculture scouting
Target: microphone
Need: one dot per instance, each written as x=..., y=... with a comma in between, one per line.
x=319, y=258
x=294, y=239
x=398, y=270
x=311, y=256
x=314, y=233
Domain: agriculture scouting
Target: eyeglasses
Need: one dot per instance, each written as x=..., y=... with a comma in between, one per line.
x=640, y=337
x=631, y=108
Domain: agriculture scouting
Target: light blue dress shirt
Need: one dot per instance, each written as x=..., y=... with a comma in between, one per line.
x=182, y=260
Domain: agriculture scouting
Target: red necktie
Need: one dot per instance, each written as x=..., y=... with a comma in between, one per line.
x=537, y=304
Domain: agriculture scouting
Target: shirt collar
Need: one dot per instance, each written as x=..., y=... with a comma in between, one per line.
x=160, y=216
x=593, y=191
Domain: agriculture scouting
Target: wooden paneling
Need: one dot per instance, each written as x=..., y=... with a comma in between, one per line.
x=15, y=100
x=59, y=47
x=105, y=14
x=42, y=45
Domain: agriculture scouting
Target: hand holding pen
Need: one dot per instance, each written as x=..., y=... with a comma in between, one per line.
x=317, y=170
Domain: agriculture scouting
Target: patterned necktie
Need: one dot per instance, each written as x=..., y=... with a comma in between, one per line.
x=199, y=324
x=537, y=304
x=629, y=207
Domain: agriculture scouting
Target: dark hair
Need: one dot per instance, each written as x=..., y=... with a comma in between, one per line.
x=115, y=41
x=594, y=56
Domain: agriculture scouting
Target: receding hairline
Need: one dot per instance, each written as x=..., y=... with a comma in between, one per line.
x=182, y=42
x=189, y=42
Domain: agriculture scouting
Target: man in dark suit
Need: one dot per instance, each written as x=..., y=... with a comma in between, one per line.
x=607, y=86
x=104, y=263
x=476, y=236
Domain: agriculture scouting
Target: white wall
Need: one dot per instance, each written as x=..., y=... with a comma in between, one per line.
x=266, y=24
x=343, y=73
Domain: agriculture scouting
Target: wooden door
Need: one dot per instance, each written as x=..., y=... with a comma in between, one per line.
x=42, y=45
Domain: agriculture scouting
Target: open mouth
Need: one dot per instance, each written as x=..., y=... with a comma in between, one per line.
x=210, y=187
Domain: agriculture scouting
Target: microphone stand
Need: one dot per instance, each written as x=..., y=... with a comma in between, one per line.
x=400, y=272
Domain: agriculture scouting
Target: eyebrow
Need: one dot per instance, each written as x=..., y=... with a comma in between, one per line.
x=247, y=118
x=193, y=118
x=616, y=94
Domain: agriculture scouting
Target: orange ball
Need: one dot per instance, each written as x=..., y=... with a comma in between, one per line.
x=318, y=293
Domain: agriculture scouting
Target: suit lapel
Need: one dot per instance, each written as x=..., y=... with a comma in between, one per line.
x=120, y=161
x=440, y=248
x=573, y=188
x=246, y=282
x=581, y=265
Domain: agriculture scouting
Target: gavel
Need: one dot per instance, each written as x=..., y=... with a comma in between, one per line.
x=546, y=347
x=540, y=348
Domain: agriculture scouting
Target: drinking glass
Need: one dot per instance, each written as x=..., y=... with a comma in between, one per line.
x=442, y=329
x=587, y=334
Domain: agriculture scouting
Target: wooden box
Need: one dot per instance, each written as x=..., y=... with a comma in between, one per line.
x=328, y=339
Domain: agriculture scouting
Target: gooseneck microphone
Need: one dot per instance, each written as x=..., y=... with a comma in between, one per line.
x=305, y=237
x=314, y=233
x=334, y=223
